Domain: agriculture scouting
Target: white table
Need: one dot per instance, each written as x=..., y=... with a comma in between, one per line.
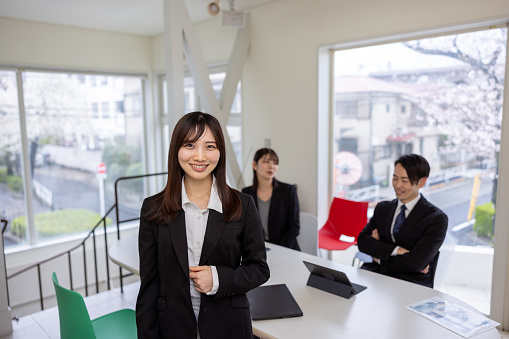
x=124, y=253
x=377, y=312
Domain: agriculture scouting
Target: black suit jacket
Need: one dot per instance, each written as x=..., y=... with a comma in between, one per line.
x=237, y=249
x=422, y=233
x=284, y=220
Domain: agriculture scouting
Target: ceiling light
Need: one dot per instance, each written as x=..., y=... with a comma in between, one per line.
x=213, y=8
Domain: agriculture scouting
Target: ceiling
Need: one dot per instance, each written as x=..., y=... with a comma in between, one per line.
x=142, y=17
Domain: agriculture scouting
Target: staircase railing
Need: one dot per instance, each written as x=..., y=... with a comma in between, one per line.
x=4, y=227
x=121, y=275
x=82, y=245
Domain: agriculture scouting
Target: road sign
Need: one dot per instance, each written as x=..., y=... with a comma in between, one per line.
x=101, y=171
x=101, y=168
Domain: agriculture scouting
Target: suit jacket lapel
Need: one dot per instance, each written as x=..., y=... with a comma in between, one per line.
x=177, y=229
x=255, y=198
x=215, y=225
x=417, y=212
x=390, y=215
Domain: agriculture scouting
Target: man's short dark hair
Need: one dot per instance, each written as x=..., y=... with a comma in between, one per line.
x=415, y=165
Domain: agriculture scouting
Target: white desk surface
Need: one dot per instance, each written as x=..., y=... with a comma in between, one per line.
x=377, y=312
x=124, y=253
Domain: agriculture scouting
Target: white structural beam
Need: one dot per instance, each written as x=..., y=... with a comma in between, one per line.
x=188, y=43
x=173, y=11
x=198, y=68
x=234, y=71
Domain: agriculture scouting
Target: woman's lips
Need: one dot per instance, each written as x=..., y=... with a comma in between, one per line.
x=199, y=168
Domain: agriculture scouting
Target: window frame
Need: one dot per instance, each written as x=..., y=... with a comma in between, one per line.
x=100, y=77
x=499, y=308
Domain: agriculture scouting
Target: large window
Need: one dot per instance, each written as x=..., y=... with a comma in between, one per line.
x=70, y=128
x=440, y=97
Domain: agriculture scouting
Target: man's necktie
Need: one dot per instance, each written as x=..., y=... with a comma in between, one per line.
x=399, y=220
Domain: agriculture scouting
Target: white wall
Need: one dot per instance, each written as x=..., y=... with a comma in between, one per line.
x=36, y=44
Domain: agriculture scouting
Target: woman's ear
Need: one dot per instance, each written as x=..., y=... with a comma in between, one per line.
x=255, y=165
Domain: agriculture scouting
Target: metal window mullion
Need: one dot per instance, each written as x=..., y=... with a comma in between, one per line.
x=29, y=68
x=27, y=177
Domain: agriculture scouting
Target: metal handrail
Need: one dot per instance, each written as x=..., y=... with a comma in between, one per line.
x=92, y=234
x=121, y=275
x=68, y=252
x=4, y=227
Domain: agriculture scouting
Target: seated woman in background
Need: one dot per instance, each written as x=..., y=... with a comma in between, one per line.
x=277, y=201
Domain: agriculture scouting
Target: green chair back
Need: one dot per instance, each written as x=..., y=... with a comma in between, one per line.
x=75, y=321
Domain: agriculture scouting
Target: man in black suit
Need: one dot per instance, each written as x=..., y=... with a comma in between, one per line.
x=404, y=235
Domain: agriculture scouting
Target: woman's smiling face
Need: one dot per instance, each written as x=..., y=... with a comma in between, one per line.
x=198, y=159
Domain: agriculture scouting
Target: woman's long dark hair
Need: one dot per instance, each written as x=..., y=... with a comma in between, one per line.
x=260, y=154
x=168, y=202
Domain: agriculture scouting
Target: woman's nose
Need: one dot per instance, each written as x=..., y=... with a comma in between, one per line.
x=199, y=154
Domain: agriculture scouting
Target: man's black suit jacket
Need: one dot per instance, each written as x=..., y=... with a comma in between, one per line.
x=284, y=219
x=422, y=233
x=237, y=249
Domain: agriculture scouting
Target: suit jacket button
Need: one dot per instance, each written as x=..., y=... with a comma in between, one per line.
x=204, y=310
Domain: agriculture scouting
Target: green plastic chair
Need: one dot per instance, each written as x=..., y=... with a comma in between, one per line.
x=75, y=321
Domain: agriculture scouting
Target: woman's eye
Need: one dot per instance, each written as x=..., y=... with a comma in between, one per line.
x=211, y=146
x=188, y=145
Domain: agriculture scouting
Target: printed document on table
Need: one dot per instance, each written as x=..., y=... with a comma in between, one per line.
x=453, y=317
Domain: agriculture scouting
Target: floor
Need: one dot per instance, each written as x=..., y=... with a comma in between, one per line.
x=44, y=324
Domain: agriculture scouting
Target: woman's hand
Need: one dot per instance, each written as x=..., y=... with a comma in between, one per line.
x=202, y=278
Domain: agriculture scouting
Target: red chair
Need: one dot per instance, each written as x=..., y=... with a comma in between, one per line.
x=346, y=220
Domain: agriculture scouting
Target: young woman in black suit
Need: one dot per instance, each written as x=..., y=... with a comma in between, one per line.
x=277, y=202
x=200, y=243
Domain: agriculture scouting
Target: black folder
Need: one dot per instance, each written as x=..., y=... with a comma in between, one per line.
x=332, y=281
x=273, y=302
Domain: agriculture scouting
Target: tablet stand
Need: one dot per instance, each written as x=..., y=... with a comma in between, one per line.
x=330, y=286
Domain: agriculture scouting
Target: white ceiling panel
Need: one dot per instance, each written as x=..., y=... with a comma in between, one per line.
x=143, y=17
